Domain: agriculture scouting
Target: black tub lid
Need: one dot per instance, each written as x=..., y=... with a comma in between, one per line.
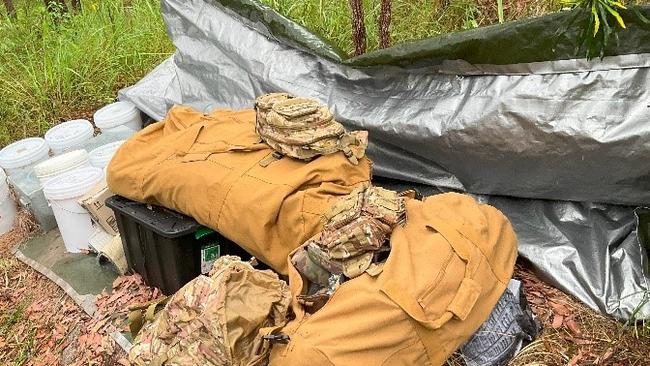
x=161, y=220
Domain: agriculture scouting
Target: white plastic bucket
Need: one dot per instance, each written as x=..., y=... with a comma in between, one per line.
x=62, y=193
x=21, y=156
x=118, y=133
x=101, y=156
x=7, y=207
x=71, y=135
x=118, y=114
x=60, y=164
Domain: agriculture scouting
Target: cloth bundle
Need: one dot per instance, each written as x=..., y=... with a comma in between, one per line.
x=353, y=241
x=215, y=320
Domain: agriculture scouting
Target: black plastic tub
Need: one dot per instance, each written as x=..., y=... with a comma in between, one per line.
x=166, y=248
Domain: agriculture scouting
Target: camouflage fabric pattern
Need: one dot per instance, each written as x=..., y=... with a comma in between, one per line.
x=314, y=300
x=314, y=272
x=356, y=229
x=357, y=237
x=303, y=129
x=358, y=226
x=322, y=258
x=264, y=104
x=215, y=320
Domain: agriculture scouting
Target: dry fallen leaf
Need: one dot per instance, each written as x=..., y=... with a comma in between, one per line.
x=558, y=320
x=606, y=356
x=559, y=309
x=575, y=360
x=573, y=326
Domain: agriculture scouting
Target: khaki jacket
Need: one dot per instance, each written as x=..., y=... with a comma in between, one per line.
x=214, y=168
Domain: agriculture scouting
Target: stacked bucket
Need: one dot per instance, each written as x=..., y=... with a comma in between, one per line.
x=50, y=175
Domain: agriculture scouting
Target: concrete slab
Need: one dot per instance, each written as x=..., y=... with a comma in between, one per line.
x=79, y=275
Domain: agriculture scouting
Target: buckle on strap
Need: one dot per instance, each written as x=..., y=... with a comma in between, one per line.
x=277, y=338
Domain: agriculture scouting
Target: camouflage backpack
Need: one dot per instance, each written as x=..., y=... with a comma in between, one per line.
x=213, y=320
x=356, y=230
x=304, y=129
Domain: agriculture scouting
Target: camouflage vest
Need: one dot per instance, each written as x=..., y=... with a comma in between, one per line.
x=357, y=227
x=304, y=129
x=212, y=321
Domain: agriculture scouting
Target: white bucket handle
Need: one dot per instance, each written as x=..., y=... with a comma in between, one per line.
x=53, y=204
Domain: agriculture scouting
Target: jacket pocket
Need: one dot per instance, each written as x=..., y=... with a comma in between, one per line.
x=451, y=292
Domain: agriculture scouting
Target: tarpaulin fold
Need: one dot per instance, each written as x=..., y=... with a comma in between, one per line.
x=505, y=111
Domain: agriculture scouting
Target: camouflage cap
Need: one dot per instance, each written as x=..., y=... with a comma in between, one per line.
x=265, y=102
x=303, y=128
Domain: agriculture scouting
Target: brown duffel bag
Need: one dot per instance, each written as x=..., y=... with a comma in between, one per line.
x=448, y=267
x=214, y=168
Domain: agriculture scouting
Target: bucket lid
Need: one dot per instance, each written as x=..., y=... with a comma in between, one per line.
x=115, y=114
x=69, y=134
x=72, y=184
x=3, y=183
x=4, y=191
x=101, y=156
x=23, y=152
x=61, y=163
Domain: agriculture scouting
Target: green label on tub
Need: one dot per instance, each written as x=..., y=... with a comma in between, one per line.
x=209, y=254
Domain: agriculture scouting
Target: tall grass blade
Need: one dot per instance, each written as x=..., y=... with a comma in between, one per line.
x=500, y=11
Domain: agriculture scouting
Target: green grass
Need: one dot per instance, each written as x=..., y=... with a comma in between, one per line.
x=10, y=319
x=411, y=19
x=55, y=68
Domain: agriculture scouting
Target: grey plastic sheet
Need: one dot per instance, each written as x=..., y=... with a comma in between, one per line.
x=527, y=138
x=591, y=251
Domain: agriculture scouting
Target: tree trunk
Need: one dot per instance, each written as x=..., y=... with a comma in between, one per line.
x=76, y=5
x=384, y=24
x=358, y=27
x=11, y=9
x=56, y=6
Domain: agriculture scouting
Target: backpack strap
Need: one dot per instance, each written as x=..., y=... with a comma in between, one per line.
x=274, y=156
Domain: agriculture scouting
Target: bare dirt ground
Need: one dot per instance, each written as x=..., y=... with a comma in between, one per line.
x=41, y=325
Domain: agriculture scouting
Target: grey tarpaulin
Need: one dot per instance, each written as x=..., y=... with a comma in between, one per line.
x=566, y=129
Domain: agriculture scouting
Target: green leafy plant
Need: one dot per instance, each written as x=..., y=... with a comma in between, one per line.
x=599, y=21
